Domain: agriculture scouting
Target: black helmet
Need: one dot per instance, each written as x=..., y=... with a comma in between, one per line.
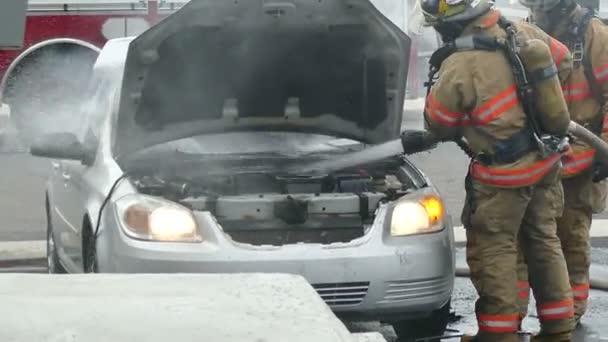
x=540, y=5
x=546, y=14
x=446, y=11
x=450, y=17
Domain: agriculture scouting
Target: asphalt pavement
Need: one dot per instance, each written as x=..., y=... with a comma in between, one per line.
x=22, y=180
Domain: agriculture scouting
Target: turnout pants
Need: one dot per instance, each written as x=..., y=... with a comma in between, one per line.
x=582, y=197
x=496, y=219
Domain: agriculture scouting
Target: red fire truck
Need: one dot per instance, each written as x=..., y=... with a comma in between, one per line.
x=62, y=39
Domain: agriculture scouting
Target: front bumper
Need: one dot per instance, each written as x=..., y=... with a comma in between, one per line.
x=376, y=277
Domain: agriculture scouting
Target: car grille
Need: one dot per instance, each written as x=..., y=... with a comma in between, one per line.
x=341, y=294
x=406, y=290
x=281, y=237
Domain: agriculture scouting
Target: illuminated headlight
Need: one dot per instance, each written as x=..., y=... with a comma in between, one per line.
x=417, y=217
x=151, y=218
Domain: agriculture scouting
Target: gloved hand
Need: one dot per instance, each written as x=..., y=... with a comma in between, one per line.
x=600, y=172
x=415, y=141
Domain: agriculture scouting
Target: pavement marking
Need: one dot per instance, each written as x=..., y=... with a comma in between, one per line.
x=599, y=228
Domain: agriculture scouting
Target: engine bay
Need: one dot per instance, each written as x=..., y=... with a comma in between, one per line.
x=271, y=208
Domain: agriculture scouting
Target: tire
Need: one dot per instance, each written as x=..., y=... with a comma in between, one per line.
x=434, y=325
x=89, y=251
x=53, y=264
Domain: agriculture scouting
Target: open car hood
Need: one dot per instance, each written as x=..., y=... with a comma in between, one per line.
x=335, y=67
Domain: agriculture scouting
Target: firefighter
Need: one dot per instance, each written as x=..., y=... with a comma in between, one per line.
x=585, y=90
x=513, y=183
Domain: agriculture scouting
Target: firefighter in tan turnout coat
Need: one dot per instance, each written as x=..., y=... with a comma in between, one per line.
x=513, y=183
x=585, y=91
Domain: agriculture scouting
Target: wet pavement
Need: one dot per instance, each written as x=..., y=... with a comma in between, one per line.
x=594, y=326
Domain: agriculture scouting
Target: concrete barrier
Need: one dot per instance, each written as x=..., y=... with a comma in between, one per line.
x=163, y=307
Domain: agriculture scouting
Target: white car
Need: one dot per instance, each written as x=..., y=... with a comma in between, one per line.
x=190, y=138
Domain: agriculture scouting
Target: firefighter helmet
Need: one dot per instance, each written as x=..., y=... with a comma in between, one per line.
x=547, y=14
x=540, y=5
x=453, y=11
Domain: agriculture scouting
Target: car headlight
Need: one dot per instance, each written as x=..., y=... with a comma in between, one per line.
x=416, y=217
x=151, y=218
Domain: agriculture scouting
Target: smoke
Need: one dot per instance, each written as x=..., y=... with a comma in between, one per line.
x=49, y=91
x=201, y=69
x=368, y=155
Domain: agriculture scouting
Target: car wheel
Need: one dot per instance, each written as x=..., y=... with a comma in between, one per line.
x=89, y=251
x=53, y=264
x=434, y=325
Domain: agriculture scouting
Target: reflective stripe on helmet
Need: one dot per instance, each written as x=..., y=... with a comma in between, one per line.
x=436, y=11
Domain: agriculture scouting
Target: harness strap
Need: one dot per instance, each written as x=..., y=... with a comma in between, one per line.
x=577, y=45
x=542, y=74
x=578, y=31
x=511, y=149
x=579, y=35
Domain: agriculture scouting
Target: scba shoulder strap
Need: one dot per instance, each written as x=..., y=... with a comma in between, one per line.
x=577, y=46
x=465, y=43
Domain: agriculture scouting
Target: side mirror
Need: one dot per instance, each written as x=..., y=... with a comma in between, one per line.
x=60, y=146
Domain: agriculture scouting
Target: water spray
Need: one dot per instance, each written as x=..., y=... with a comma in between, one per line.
x=416, y=141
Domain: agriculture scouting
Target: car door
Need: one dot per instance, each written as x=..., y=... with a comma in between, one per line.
x=76, y=189
x=57, y=205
